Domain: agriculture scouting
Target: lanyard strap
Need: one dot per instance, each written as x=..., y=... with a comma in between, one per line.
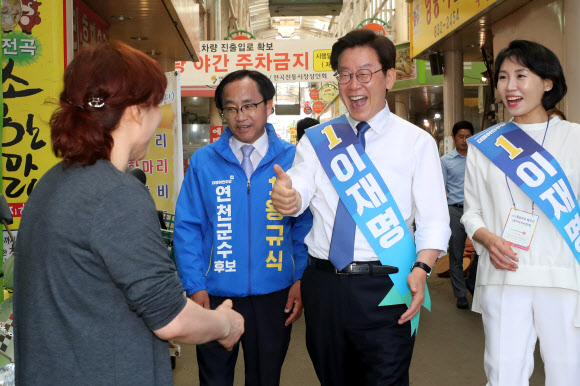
x=537, y=173
x=506, y=179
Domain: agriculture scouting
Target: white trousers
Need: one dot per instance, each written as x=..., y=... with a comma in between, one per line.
x=514, y=317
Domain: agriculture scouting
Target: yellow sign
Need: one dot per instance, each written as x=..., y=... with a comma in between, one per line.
x=322, y=60
x=328, y=92
x=163, y=165
x=432, y=20
x=33, y=61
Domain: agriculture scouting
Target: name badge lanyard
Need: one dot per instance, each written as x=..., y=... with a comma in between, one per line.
x=513, y=232
x=506, y=179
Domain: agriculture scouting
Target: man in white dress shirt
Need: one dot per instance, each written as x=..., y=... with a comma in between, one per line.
x=350, y=339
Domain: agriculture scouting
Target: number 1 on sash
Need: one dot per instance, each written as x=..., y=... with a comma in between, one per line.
x=513, y=151
x=331, y=136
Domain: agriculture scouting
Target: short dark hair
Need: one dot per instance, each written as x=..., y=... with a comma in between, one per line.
x=539, y=60
x=382, y=45
x=304, y=124
x=114, y=73
x=462, y=125
x=265, y=85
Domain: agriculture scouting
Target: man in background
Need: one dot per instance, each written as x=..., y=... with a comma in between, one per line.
x=453, y=167
x=304, y=124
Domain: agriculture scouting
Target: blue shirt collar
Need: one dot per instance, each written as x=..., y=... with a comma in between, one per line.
x=454, y=153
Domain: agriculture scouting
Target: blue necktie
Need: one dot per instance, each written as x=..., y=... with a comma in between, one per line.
x=342, y=242
x=246, y=161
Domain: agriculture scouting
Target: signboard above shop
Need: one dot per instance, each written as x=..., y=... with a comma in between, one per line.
x=283, y=61
x=433, y=20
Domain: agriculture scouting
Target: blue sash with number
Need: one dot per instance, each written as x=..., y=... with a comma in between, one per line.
x=538, y=175
x=370, y=203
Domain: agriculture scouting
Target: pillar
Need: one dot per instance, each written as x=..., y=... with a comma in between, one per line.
x=452, y=95
x=572, y=55
x=402, y=104
x=401, y=22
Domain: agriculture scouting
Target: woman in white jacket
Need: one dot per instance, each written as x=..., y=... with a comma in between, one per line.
x=526, y=295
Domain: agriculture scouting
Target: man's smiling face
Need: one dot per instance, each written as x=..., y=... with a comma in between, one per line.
x=364, y=100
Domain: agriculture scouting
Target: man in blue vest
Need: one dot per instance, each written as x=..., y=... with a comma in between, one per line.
x=453, y=167
x=350, y=338
x=231, y=243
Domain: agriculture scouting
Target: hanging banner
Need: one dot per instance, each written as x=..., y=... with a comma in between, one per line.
x=33, y=63
x=163, y=164
x=293, y=132
x=215, y=132
x=282, y=61
x=432, y=20
x=88, y=27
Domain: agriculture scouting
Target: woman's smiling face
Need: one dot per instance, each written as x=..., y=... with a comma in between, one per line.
x=521, y=92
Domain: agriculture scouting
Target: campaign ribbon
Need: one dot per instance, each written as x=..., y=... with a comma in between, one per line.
x=537, y=173
x=370, y=203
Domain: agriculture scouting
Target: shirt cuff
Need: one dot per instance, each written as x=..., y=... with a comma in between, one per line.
x=435, y=236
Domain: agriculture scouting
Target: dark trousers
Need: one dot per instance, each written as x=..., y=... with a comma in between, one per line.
x=265, y=343
x=472, y=273
x=456, y=248
x=350, y=339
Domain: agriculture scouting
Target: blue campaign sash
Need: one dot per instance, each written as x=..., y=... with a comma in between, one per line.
x=538, y=175
x=369, y=201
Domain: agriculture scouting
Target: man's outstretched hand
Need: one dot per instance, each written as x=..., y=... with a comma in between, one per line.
x=286, y=199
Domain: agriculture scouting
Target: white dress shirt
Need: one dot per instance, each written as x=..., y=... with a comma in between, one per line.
x=260, y=149
x=408, y=160
x=549, y=262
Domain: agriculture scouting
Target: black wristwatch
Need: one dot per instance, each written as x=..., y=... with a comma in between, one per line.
x=423, y=266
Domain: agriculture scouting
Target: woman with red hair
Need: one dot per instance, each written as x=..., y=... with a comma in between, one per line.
x=96, y=293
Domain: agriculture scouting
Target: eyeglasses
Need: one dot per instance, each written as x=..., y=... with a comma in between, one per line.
x=363, y=76
x=250, y=108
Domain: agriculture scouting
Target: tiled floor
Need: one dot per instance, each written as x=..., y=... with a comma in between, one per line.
x=448, y=350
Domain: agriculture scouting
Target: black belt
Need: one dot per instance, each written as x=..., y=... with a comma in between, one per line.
x=457, y=205
x=357, y=268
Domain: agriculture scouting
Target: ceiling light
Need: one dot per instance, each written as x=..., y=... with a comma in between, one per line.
x=121, y=18
x=139, y=38
x=153, y=53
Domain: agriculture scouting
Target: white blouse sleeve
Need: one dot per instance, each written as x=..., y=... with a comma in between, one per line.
x=472, y=218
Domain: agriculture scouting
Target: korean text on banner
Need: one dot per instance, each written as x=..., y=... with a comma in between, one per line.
x=281, y=60
x=163, y=164
x=33, y=62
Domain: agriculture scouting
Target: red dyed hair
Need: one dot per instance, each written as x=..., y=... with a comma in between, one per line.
x=118, y=74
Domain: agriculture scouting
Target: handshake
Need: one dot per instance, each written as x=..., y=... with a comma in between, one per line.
x=230, y=322
x=234, y=325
